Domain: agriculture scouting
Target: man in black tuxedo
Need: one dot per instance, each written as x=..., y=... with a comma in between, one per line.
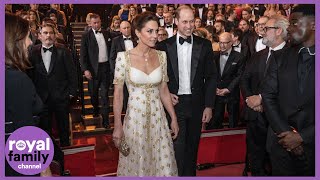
x=289, y=99
x=237, y=45
x=192, y=75
x=200, y=11
x=251, y=82
x=55, y=78
x=255, y=40
x=169, y=24
x=119, y=44
x=94, y=53
x=229, y=66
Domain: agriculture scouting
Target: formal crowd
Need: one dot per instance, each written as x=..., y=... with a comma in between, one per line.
x=176, y=70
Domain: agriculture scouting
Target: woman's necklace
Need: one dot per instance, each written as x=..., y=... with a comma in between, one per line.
x=146, y=56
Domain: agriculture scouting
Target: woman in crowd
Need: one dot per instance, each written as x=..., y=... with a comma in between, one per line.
x=145, y=128
x=133, y=12
x=88, y=27
x=22, y=101
x=197, y=23
x=34, y=21
x=124, y=12
x=114, y=28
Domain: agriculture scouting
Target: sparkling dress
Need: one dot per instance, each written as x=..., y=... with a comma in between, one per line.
x=145, y=125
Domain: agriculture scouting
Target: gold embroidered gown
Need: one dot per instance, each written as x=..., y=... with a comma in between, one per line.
x=145, y=125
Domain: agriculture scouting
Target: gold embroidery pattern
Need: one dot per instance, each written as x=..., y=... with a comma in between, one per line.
x=145, y=124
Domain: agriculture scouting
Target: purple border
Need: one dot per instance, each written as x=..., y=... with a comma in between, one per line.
x=2, y=74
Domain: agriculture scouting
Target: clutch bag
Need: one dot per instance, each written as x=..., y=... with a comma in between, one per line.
x=124, y=147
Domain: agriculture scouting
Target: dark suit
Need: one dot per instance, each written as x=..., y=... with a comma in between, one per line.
x=118, y=45
x=245, y=52
x=89, y=59
x=229, y=79
x=252, y=42
x=204, y=13
x=190, y=108
x=251, y=82
x=285, y=105
x=54, y=87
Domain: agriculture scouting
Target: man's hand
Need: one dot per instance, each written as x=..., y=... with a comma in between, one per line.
x=290, y=140
x=174, y=99
x=253, y=101
x=258, y=109
x=222, y=92
x=207, y=115
x=87, y=74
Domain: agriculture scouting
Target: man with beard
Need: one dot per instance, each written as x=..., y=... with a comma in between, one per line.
x=54, y=76
x=289, y=99
x=250, y=84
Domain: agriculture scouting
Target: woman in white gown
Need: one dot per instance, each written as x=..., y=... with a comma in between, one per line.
x=145, y=127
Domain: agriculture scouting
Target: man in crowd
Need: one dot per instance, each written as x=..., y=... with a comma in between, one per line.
x=54, y=75
x=289, y=98
x=94, y=59
x=251, y=82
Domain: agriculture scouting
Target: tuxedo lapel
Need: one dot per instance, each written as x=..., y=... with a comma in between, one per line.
x=93, y=39
x=228, y=63
x=172, y=52
x=196, y=52
x=217, y=59
x=53, y=59
x=40, y=63
x=123, y=47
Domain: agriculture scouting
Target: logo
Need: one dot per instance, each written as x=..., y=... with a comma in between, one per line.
x=29, y=150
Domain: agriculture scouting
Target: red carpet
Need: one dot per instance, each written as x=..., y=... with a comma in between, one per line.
x=219, y=147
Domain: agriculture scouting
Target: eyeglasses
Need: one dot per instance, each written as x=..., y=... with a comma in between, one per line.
x=265, y=29
x=224, y=43
x=260, y=24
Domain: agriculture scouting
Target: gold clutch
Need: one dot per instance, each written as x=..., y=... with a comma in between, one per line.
x=124, y=147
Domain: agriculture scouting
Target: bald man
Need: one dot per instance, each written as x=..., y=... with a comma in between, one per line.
x=119, y=44
x=229, y=67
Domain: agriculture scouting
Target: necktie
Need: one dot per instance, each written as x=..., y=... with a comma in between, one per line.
x=169, y=26
x=210, y=23
x=47, y=49
x=98, y=32
x=260, y=37
x=224, y=53
x=268, y=62
x=160, y=17
x=126, y=38
x=182, y=40
x=306, y=58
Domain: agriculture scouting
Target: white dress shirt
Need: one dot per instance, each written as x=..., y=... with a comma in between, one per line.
x=46, y=57
x=280, y=46
x=128, y=43
x=200, y=12
x=238, y=48
x=184, y=52
x=103, y=51
x=259, y=45
x=223, y=60
x=169, y=31
x=209, y=22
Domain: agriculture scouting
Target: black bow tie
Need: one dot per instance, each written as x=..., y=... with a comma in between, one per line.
x=160, y=17
x=182, y=40
x=169, y=26
x=98, y=32
x=236, y=46
x=126, y=39
x=224, y=53
x=47, y=49
x=260, y=37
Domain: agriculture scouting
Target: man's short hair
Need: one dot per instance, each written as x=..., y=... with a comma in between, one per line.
x=305, y=9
